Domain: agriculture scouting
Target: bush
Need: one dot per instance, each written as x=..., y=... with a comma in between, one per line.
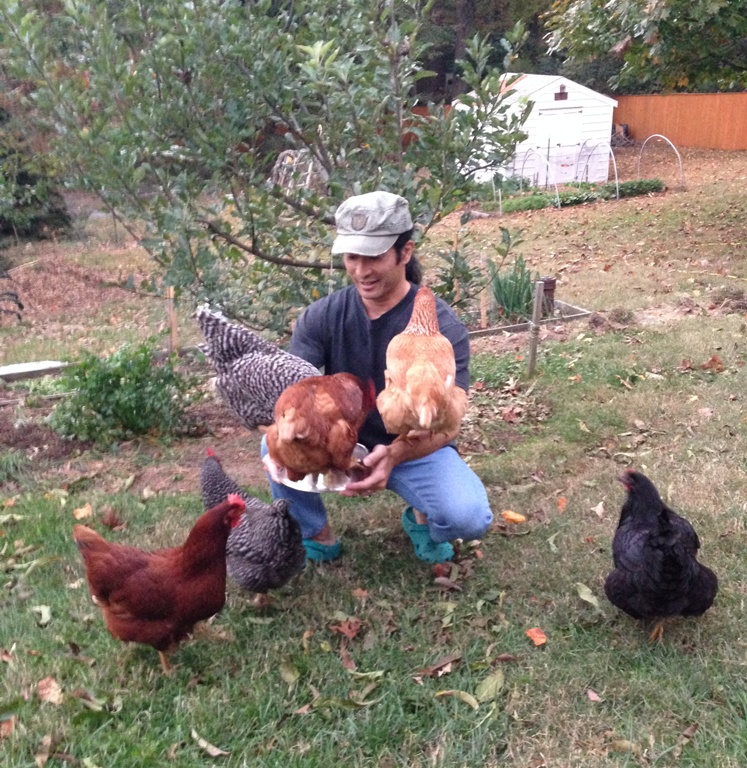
x=119, y=397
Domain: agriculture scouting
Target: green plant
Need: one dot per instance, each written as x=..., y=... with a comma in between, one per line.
x=121, y=396
x=512, y=287
x=632, y=188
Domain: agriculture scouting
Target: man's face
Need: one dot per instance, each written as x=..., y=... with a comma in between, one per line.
x=376, y=277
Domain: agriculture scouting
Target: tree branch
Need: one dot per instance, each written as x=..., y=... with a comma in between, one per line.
x=214, y=229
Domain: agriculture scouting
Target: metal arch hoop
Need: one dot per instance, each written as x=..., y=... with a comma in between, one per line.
x=607, y=146
x=676, y=152
x=527, y=154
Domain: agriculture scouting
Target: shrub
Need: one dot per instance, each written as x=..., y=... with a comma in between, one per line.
x=119, y=397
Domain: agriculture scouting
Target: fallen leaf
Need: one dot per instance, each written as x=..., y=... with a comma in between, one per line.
x=442, y=569
x=467, y=698
x=562, y=504
x=346, y=659
x=504, y=658
x=551, y=541
x=442, y=666
x=714, y=364
x=442, y=581
x=490, y=687
x=45, y=614
x=582, y=426
x=599, y=510
x=83, y=512
x=42, y=754
x=593, y=695
x=359, y=594
x=211, y=749
x=127, y=483
x=684, y=738
x=288, y=672
x=623, y=745
x=7, y=725
x=111, y=518
x=512, y=517
x=536, y=635
x=49, y=690
x=587, y=595
x=348, y=627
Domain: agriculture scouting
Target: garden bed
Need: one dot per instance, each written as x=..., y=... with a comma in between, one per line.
x=563, y=312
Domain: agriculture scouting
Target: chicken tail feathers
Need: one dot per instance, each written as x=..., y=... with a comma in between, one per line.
x=87, y=539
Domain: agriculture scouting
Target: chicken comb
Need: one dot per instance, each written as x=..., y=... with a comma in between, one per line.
x=236, y=500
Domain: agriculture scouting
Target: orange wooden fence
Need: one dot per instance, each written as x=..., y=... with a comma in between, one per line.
x=708, y=120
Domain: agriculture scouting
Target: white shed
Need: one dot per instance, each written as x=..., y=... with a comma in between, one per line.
x=569, y=130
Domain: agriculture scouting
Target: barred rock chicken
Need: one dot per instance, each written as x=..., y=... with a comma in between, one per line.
x=316, y=424
x=656, y=573
x=156, y=598
x=264, y=551
x=251, y=372
x=420, y=393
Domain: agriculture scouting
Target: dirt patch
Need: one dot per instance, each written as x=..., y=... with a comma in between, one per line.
x=147, y=465
x=35, y=439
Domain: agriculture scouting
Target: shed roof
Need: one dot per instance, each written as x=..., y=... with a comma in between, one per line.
x=529, y=85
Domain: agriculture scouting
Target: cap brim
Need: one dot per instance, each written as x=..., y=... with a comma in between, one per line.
x=363, y=245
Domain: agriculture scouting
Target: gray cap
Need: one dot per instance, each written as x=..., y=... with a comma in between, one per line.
x=369, y=225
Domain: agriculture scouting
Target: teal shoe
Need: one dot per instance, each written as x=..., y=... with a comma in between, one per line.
x=322, y=553
x=425, y=548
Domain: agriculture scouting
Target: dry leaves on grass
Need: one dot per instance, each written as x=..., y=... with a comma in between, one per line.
x=536, y=635
x=48, y=690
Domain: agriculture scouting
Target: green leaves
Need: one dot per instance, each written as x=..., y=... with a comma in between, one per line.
x=668, y=44
x=121, y=396
x=176, y=113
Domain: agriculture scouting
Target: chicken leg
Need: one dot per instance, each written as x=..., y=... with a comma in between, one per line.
x=165, y=666
x=657, y=633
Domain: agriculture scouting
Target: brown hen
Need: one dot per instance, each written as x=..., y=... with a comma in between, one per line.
x=156, y=598
x=317, y=422
x=420, y=392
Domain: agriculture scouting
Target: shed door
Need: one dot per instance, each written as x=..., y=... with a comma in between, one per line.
x=559, y=131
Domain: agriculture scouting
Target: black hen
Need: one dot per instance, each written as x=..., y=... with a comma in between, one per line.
x=251, y=371
x=264, y=551
x=657, y=574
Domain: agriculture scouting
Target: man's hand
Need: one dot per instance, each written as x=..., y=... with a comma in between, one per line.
x=381, y=462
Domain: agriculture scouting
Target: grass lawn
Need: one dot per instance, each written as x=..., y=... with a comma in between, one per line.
x=371, y=661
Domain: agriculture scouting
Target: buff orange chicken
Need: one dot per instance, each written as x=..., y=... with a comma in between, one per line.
x=420, y=393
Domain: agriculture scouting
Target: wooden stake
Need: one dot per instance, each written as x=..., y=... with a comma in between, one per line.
x=534, y=326
x=174, y=339
x=456, y=281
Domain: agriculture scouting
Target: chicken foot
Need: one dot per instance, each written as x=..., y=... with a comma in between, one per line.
x=165, y=666
x=657, y=633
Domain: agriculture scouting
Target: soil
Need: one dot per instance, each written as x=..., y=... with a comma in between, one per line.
x=56, y=290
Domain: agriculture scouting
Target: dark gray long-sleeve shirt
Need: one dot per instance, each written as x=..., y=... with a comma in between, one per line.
x=335, y=334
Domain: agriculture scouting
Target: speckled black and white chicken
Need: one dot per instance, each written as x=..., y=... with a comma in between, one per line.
x=251, y=372
x=264, y=551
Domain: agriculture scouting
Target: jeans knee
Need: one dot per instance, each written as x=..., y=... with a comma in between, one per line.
x=465, y=523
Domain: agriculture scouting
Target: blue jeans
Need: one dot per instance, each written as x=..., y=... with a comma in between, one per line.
x=440, y=485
